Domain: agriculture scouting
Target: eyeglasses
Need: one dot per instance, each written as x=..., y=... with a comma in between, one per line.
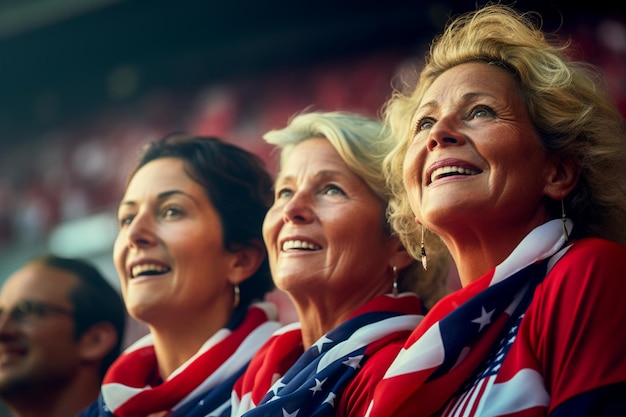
x=27, y=310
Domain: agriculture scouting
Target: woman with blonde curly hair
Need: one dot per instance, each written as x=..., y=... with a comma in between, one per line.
x=514, y=155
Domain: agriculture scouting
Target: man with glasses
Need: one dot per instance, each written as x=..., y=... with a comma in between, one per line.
x=61, y=326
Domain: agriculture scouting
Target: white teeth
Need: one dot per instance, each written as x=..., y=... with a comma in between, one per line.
x=299, y=244
x=153, y=268
x=447, y=170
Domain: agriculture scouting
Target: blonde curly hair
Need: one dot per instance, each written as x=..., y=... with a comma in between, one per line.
x=568, y=103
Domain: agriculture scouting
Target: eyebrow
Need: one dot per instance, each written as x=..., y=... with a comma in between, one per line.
x=465, y=97
x=326, y=173
x=161, y=196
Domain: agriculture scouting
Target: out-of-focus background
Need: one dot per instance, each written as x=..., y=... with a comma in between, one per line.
x=85, y=83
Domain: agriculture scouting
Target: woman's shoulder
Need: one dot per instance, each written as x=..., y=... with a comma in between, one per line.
x=588, y=263
x=595, y=251
x=360, y=390
x=575, y=314
x=596, y=242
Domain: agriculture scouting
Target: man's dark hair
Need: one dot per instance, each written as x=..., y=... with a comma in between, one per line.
x=94, y=300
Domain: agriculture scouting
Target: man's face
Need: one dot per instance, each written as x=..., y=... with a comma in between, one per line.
x=38, y=349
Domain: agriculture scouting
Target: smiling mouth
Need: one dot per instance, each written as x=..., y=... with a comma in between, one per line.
x=299, y=244
x=148, y=269
x=449, y=171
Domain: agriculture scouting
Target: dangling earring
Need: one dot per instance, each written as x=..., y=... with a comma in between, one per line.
x=236, y=297
x=423, y=252
x=394, y=290
x=565, y=234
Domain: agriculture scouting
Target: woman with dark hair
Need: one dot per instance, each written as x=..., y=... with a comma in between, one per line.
x=193, y=267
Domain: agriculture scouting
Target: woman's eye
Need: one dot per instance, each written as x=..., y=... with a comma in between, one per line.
x=423, y=123
x=169, y=212
x=481, y=112
x=283, y=192
x=333, y=190
x=125, y=220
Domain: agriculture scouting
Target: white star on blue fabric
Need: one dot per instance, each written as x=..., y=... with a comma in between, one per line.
x=294, y=414
x=318, y=385
x=320, y=343
x=484, y=319
x=353, y=361
x=277, y=385
x=330, y=399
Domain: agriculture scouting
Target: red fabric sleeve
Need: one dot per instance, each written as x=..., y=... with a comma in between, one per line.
x=576, y=324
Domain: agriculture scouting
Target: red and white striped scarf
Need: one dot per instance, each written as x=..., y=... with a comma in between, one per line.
x=458, y=333
x=127, y=390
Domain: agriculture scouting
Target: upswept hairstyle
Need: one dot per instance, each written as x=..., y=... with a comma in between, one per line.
x=568, y=103
x=94, y=300
x=236, y=183
x=359, y=142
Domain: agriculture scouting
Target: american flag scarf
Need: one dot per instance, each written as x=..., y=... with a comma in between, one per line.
x=457, y=335
x=309, y=386
x=200, y=387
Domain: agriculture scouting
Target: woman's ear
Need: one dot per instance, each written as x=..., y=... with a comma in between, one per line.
x=247, y=261
x=401, y=258
x=562, y=178
x=97, y=341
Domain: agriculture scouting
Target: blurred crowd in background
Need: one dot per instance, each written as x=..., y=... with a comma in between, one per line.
x=78, y=168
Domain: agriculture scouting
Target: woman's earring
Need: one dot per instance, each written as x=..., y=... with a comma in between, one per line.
x=394, y=290
x=236, y=297
x=423, y=252
x=565, y=234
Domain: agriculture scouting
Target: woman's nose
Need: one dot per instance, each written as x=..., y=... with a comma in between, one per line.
x=140, y=231
x=445, y=133
x=298, y=209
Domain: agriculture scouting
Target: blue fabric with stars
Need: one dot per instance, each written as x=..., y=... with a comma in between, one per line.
x=310, y=386
x=457, y=329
